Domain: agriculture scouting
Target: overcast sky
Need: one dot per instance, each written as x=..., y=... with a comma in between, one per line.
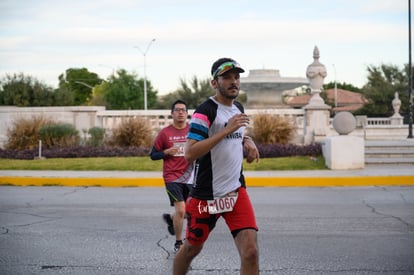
x=43, y=38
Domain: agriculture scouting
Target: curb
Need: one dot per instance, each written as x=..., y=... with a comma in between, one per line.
x=251, y=181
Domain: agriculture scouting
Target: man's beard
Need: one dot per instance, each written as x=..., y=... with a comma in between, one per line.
x=225, y=94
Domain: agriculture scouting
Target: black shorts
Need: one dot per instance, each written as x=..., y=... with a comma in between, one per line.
x=178, y=191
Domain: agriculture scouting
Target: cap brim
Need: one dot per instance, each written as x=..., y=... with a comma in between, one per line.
x=239, y=70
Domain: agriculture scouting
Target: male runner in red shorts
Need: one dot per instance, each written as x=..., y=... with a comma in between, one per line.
x=216, y=141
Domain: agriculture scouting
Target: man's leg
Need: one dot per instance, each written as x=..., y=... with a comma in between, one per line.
x=184, y=257
x=242, y=223
x=178, y=219
x=246, y=243
x=199, y=225
x=176, y=196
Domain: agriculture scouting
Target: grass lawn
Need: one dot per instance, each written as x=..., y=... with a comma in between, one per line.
x=146, y=164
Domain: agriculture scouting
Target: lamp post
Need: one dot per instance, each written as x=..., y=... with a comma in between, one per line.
x=336, y=90
x=85, y=84
x=144, y=53
x=410, y=77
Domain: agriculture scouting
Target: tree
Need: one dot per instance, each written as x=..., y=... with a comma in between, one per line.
x=80, y=83
x=63, y=97
x=124, y=90
x=98, y=95
x=383, y=82
x=343, y=85
x=23, y=91
x=331, y=85
x=193, y=93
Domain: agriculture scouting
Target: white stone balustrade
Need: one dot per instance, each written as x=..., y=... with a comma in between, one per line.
x=86, y=117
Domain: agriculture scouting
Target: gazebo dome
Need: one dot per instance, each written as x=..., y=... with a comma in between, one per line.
x=264, y=88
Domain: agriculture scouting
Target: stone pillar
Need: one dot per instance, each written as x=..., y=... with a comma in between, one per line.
x=396, y=118
x=344, y=152
x=316, y=111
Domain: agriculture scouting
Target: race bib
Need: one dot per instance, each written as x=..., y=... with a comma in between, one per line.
x=221, y=205
x=180, y=147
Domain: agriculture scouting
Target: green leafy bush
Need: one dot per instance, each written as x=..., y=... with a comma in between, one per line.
x=97, y=136
x=59, y=135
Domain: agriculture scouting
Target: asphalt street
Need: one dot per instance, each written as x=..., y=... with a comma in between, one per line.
x=93, y=230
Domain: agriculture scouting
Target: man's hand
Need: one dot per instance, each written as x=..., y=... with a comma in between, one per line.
x=236, y=122
x=250, y=147
x=171, y=151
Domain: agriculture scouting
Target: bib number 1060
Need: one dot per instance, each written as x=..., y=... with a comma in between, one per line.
x=220, y=205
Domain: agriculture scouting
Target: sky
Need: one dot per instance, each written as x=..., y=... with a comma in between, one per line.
x=44, y=38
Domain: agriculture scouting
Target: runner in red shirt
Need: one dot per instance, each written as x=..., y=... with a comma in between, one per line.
x=177, y=172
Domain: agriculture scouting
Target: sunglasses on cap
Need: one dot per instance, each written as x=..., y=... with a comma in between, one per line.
x=226, y=66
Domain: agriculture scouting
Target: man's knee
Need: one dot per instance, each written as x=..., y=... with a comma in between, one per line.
x=180, y=211
x=191, y=250
x=246, y=242
x=250, y=254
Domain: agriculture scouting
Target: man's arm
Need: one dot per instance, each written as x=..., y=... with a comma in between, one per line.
x=157, y=155
x=195, y=149
x=252, y=151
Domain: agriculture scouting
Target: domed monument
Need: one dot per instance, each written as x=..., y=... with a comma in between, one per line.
x=264, y=88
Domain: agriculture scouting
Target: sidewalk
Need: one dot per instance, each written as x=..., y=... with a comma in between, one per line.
x=371, y=175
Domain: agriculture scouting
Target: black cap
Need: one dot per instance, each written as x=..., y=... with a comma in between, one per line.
x=223, y=65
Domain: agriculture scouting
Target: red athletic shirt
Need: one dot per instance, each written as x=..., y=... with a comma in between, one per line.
x=175, y=168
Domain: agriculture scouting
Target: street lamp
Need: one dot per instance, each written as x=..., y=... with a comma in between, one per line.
x=144, y=53
x=336, y=90
x=84, y=84
x=410, y=77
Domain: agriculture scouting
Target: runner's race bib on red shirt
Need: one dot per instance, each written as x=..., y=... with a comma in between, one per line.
x=180, y=147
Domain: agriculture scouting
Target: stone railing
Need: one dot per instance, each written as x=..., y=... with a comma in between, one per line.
x=86, y=117
x=162, y=118
x=378, y=121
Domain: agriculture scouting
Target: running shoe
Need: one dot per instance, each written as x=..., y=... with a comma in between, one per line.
x=167, y=219
x=177, y=245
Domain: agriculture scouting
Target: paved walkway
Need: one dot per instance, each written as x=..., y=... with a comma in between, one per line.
x=369, y=176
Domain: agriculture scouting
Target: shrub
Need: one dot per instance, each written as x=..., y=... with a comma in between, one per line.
x=24, y=133
x=265, y=150
x=270, y=129
x=76, y=152
x=97, y=136
x=59, y=135
x=132, y=132
x=288, y=150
